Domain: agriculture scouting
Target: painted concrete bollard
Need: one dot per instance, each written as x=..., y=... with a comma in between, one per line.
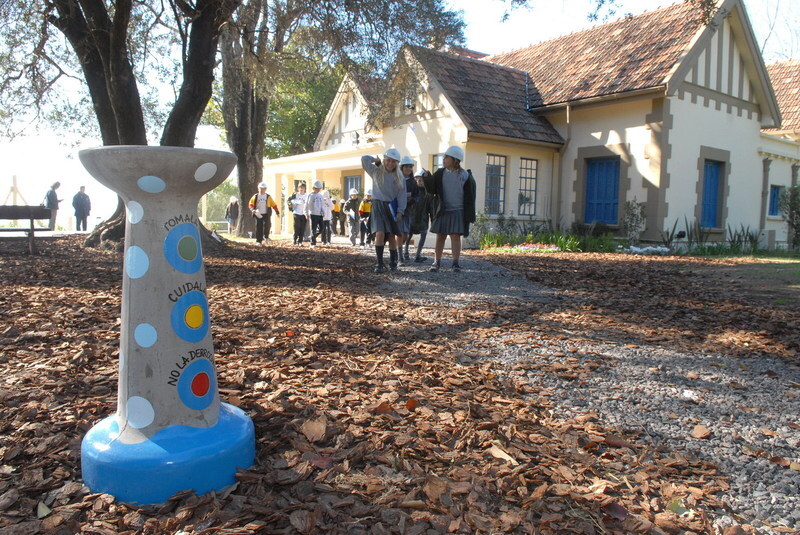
x=170, y=431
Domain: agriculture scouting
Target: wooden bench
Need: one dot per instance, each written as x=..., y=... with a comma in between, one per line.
x=25, y=212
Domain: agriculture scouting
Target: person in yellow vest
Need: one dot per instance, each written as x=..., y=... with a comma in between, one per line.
x=364, y=213
x=261, y=206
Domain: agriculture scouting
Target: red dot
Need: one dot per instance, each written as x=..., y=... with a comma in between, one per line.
x=200, y=384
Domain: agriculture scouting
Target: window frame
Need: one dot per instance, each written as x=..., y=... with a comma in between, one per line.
x=524, y=191
x=775, y=194
x=500, y=199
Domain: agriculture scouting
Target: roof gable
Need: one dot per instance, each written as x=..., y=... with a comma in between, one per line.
x=728, y=37
x=347, y=114
x=490, y=99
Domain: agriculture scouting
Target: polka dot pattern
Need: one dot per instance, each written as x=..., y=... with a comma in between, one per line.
x=135, y=212
x=140, y=412
x=182, y=248
x=197, y=385
x=205, y=172
x=189, y=317
x=145, y=335
x=136, y=262
x=151, y=184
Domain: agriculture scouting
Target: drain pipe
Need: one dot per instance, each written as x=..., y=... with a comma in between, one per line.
x=558, y=175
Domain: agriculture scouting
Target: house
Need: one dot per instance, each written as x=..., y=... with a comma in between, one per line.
x=664, y=108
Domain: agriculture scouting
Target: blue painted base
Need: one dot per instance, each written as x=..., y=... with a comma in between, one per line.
x=176, y=458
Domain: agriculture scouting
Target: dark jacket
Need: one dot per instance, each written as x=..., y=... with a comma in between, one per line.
x=232, y=212
x=51, y=199
x=82, y=204
x=433, y=185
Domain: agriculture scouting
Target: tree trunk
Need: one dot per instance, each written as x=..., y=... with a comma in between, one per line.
x=99, y=40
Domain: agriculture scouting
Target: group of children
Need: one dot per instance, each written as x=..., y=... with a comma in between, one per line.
x=400, y=205
x=449, y=201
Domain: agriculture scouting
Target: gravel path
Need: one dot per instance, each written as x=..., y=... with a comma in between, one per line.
x=750, y=406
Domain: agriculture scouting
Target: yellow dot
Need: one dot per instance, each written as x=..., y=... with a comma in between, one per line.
x=194, y=316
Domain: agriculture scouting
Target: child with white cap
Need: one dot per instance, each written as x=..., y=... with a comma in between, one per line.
x=387, y=186
x=412, y=196
x=351, y=209
x=314, y=210
x=454, y=189
x=261, y=206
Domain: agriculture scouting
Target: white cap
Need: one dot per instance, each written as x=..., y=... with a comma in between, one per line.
x=369, y=192
x=394, y=154
x=263, y=185
x=317, y=184
x=421, y=172
x=406, y=161
x=326, y=194
x=456, y=152
x=353, y=191
x=234, y=199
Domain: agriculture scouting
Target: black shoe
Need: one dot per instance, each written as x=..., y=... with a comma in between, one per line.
x=434, y=268
x=380, y=268
x=393, y=268
x=456, y=268
x=407, y=257
x=421, y=259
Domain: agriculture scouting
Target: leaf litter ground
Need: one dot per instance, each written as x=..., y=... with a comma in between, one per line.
x=373, y=413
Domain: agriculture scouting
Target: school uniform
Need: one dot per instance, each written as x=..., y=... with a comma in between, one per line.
x=455, y=193
x=385, y=189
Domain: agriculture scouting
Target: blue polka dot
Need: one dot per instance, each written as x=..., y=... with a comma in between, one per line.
x=172, y=252
x=151, y=184
x=178, y=317
x=135, y=212
x=192, y=399
x=145, y=334
x=136, y=262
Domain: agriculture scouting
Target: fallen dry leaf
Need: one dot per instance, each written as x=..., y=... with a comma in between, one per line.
x=314, y=430
x=700, y=431
x=615, y=510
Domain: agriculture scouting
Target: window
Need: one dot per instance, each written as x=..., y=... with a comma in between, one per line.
x=351, y=182
x=602, y=190
x=528, y=171
x=710, y=209
x=775, y=193
x=495, y=183
x=438, y=161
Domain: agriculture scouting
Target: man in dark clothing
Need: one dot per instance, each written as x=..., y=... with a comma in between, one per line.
x=82, y=206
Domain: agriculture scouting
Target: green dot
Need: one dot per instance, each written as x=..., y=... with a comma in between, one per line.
x=187, y=248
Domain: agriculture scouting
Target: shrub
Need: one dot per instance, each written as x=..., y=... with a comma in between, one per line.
x=789, y=207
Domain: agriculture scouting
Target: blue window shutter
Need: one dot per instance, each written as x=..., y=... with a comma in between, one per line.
x=774, y=200
x=602, y=190
x=709, y=210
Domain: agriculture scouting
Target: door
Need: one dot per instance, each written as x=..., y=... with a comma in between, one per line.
x=602, y=190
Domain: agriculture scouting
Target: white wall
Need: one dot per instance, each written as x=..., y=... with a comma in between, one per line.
x=695, y=125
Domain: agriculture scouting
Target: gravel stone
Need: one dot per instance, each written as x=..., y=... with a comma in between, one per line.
x=742, y=401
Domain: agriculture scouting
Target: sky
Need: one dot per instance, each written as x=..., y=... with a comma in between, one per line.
x=38, y=161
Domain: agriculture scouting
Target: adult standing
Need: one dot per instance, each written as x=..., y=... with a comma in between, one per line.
x=454, y=189
x=82, y=205
x=51, y=201
x=315, y=205
x=387, y=186
x=262, y=205
x=232, y=214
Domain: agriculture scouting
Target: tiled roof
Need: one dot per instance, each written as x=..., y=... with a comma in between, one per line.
x=490, y=98
x=630, y=54
x=785, y=78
